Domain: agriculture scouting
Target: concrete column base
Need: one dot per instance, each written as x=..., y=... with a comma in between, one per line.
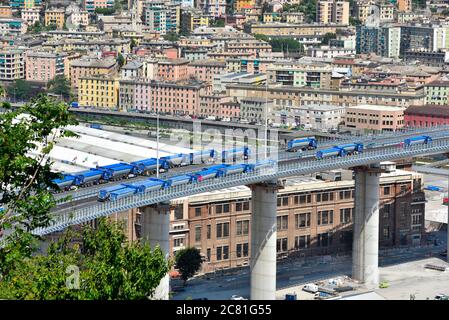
x=365, y=251
x=263, y=241
x=155, y=222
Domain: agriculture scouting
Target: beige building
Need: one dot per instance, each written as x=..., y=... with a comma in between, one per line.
x=374, y=118
x=12, y=64
x=332, y=11
x=55, y=16
x=362, y=9
x=5, y=11
x=404, y=5
x=98, y=92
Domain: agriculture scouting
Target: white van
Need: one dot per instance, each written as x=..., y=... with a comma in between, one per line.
x=310, y=287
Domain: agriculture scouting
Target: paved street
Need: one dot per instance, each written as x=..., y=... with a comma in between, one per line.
x=291, y=273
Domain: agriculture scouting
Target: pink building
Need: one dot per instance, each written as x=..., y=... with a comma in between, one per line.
x=44, y=66
x=173, y=70
x=206, y=70
x=182, y=97
x=91, y=5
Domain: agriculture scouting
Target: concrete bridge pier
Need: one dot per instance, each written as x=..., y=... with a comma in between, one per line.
x=263, y=240
x=155, y=222
x=365, y=249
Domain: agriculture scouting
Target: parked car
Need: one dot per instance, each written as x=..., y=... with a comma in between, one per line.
x=441, y=296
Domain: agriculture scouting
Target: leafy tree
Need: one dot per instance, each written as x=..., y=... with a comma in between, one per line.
x=35, y=28
x=60, y=85
x=105, y=11
x=51, y=27
x=171, y=37
x=354, y=21
x=133, y=43
x=109, y=268
x=188, y=262
x=25, y=181
x=120, y=60
x=20, y=89
x=328, y=36
x=421, y=4
x=308, y=7
x=218, y=23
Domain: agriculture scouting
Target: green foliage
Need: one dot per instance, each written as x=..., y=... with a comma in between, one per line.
x=60, y=85
x=327, y=37
x=120, y=60
x=171, y=37
x=282, y=44
x=354, y=21
x=105, y=11
x=24, y=191
x=51, y=27
x=218, y=23
x=188, y=262
x=308, y=7
x=421, y=4
x=133, y=43
x=19, y=90
x=36, y=28
x=109, y=268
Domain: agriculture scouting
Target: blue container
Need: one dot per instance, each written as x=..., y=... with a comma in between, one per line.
x=332, y=152
x=301, y=144
x=105, y=193
x=118, y=194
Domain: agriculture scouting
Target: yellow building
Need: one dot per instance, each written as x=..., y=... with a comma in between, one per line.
x=404, y=5
x=242, y=4
x=55, y=16
x=98, y=92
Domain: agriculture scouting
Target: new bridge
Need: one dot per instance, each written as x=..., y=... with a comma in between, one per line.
x=264, y=185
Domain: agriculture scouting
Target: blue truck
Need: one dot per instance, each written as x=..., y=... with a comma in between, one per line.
x=235, y=154
x=332, y=152
x=417, y=140
x=351, y=148
x=302, y=144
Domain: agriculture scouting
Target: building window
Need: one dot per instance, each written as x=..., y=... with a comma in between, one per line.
x=404, y=188
x=346, y=194
x=242, y=227
x=282, y=222
x=208, y=231
x=324, y=196
x=281, y=245
x=386, y=210
x=242, y=250
x=304, y=198
x=282, y=201
x=222, y=208
x=302, y=220
x=242, y=206
x=325, y=217
x=198, y=212
x=346, y=215
x=302, y=242
x=386, y=233
x=178, y=211
x=223, y=230
x=386, y=191
x=222, y=253
x=208, y=254
x=178, y=242
x=197, y=233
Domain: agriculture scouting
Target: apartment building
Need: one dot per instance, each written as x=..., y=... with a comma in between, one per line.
x=98, y=92
x=192, y=19
x=91, y=5
x=14, y=26
x=300, y=74
x=374, y=118
x=90, y=67
x=292, y=30
x=384, y=41
x=404, y=5
x=254, y=47
x=219, y=105
x=21, y=4
x=256, y=110
x=177, y=98
x=362, y=9
x=44, y=66
x=5, y=11
x=173, y=70
x=250, y=65
x=205, y=70
x=162, y=17
x=319, y=117
x=332, y=11
x=55, y=16
x=12, y=64
x=30, y=16
x=437, y=92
